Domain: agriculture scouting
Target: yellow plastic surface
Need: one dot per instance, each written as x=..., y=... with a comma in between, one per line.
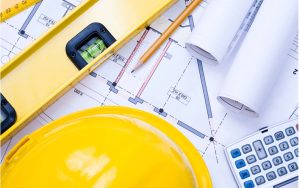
x=9, y=8
x=43, y=72
x=109, y=147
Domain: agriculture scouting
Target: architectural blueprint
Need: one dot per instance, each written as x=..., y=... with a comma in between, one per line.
x=172, y=85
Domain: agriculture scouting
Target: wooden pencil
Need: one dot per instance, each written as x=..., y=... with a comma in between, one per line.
x=170, y=30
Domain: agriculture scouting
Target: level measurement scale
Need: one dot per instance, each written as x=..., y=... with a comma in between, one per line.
x=10, y=8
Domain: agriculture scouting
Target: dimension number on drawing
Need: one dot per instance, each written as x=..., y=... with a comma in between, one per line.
x=178, y=95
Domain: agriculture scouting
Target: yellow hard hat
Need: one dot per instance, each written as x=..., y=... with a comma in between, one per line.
x=107, y=147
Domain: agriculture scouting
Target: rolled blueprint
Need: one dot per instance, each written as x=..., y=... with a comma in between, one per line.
x=217, y=28
x=262, y=55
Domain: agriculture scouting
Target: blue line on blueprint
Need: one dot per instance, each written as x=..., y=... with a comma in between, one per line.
x=204, y=88
x=202, y=76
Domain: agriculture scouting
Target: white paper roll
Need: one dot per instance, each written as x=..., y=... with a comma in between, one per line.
x=217, y=28
x=257, y=66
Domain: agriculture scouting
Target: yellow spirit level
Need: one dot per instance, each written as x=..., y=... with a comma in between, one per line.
x=9, y=8
x=66, y=53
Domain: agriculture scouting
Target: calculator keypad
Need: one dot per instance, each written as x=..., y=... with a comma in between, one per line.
x=279, y=135
x=271, y=175
x=282, y=171
x=290, y=131
x=249, y=184
x=263, y=161
x=294, y=141
x=273, y=150
x=288, y=156
x=260, y=180
x=240, y=163
x=293, y=167
x=266, y=165
x=251, y=159
x=244, y=174
x=268, y=140
x=255, y=169
x=283, y=146
x=235, y=153
x=277, y=161
x=246, y=148
x=260, y=150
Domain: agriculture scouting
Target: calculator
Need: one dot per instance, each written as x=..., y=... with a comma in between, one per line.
x=267, y=158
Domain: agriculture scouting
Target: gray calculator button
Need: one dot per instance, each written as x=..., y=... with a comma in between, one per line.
x=283, y=146
x=273, y=150
x=268, y=140
x=290, y=131
x=277, y=160
x=294, y=141
x=251, y=159
x=259, y=149
x=279, y=135
x=271, y=175
x=296, y=152
x=260, y=180
x=255, y=169
x=266, y=165
x=293, y=166
x=281, y=171
x=288, y=156
x=246, y=148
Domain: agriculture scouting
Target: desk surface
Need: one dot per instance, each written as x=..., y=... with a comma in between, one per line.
x=172, y=85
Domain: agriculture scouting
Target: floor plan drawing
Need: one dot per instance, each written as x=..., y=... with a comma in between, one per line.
x=22, y=31
x=172, y=85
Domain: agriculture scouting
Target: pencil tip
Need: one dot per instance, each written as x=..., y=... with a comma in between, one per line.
x=136, y=67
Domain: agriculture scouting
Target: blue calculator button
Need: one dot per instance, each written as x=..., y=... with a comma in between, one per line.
x=240, y=163
x=244, y=174
x=235, y=153
x=249, y=184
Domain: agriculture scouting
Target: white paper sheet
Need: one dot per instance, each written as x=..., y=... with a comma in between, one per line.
x=259, y=62
x=217, y=28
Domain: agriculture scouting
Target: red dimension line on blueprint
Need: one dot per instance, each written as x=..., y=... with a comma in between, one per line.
x=137, y=98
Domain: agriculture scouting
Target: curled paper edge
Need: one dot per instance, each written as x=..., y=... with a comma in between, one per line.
x=238, y=105
x=201, y=53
